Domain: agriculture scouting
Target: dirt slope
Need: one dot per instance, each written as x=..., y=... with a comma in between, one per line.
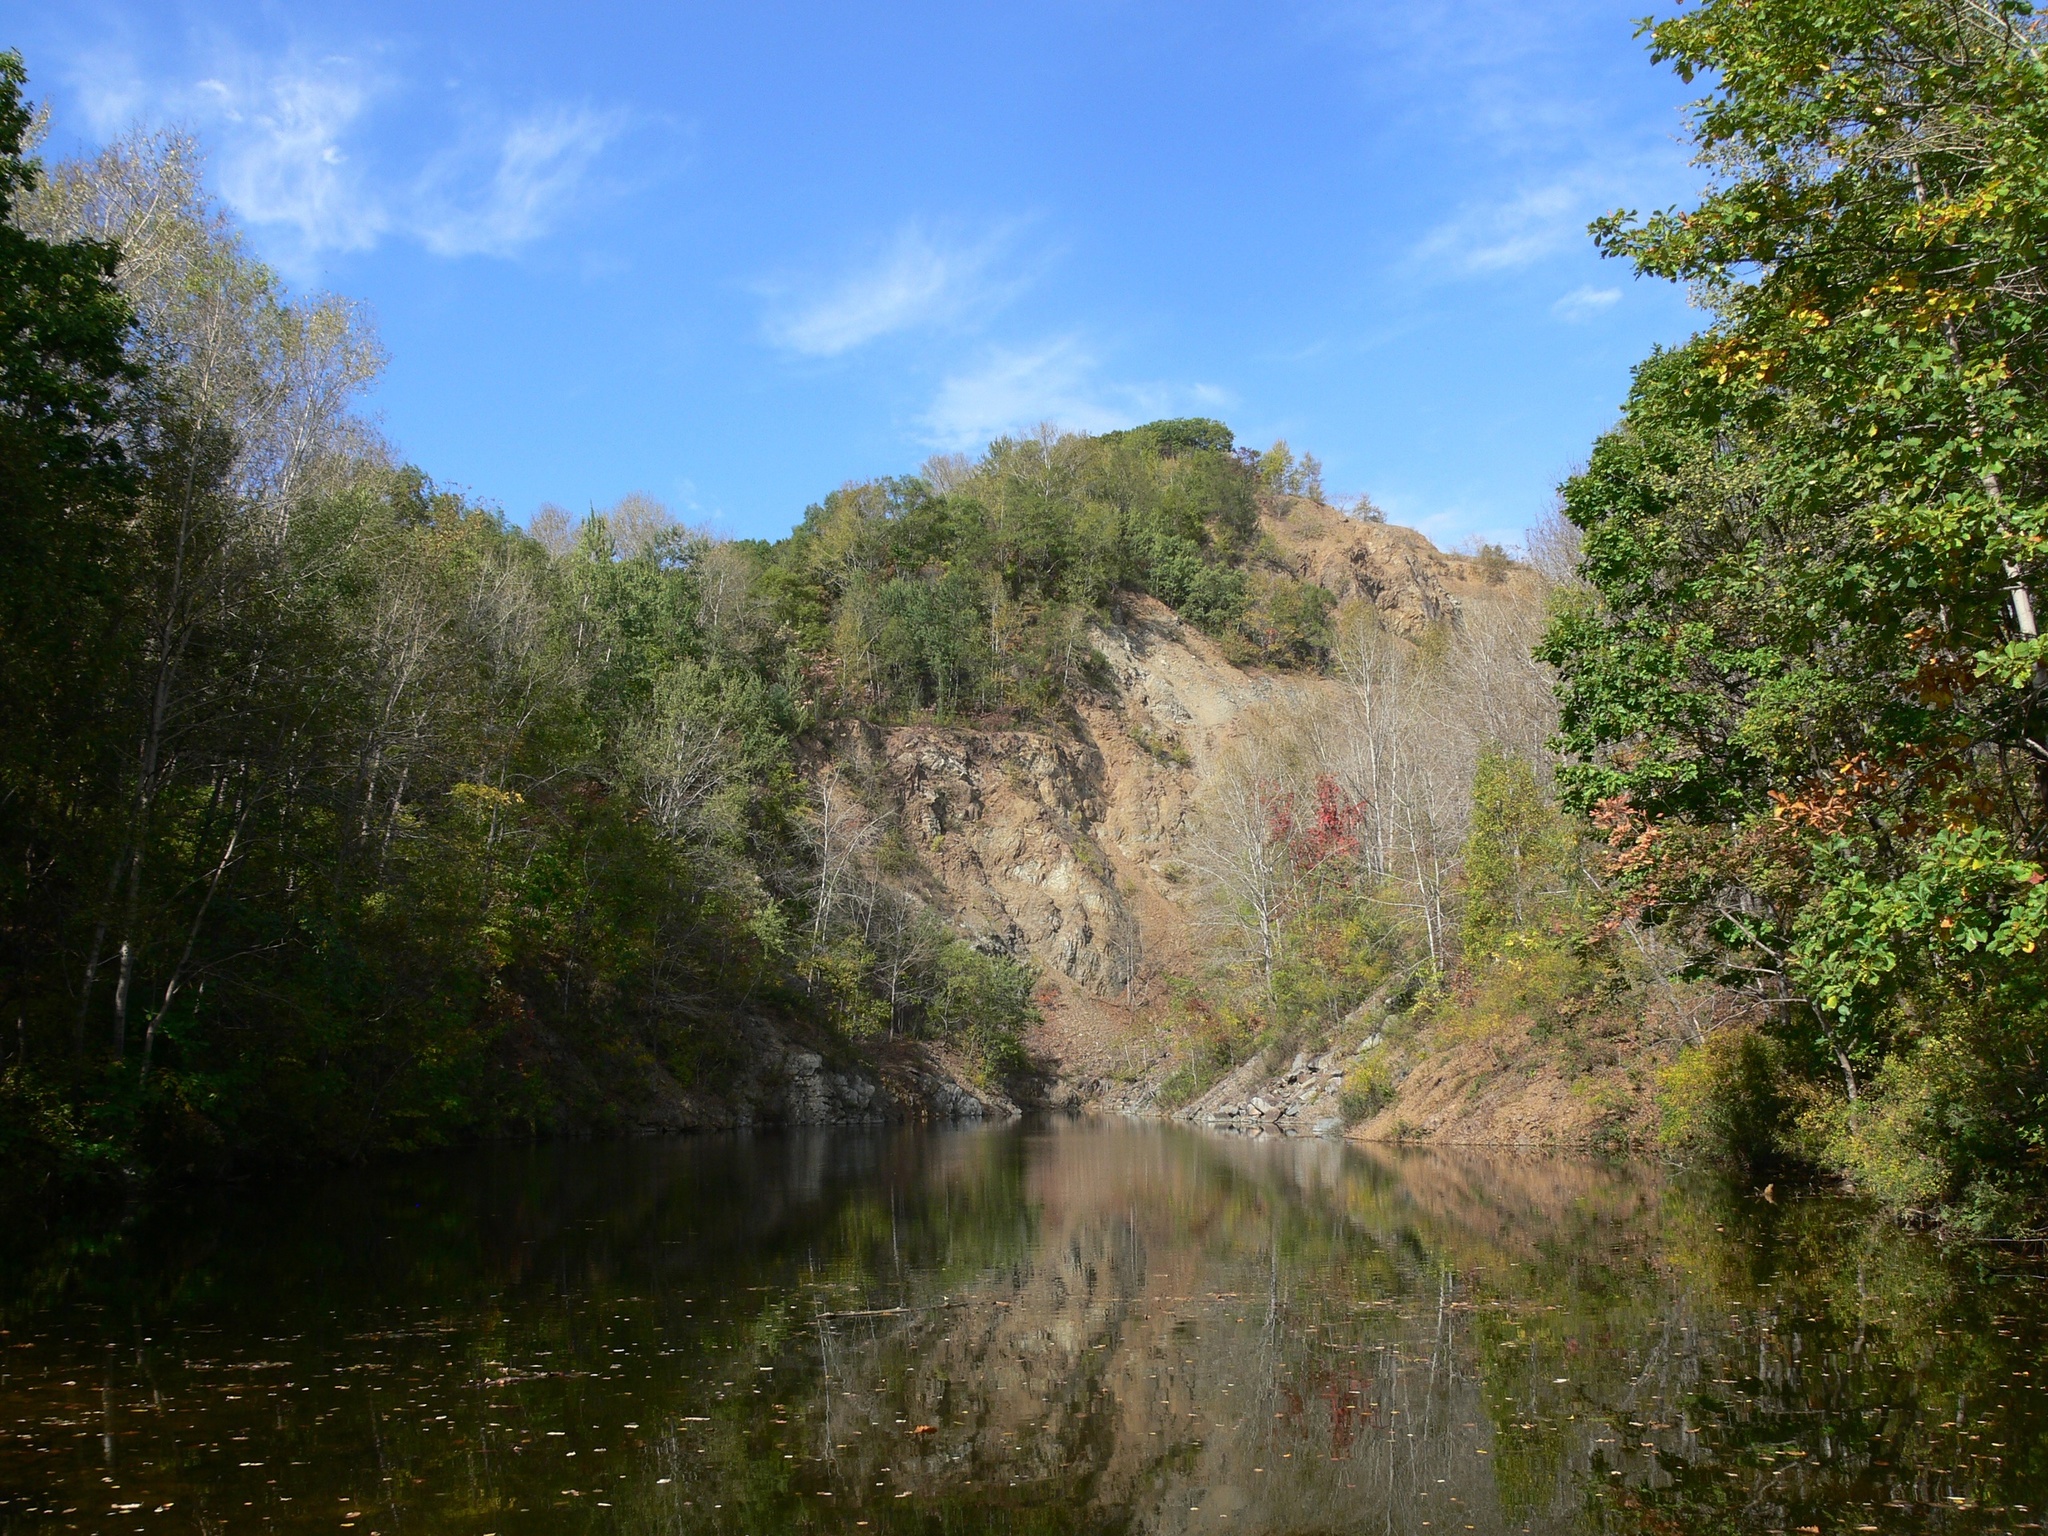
x=1068, y=847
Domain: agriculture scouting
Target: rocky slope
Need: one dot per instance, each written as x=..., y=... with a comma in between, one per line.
x=1068, y=848
x=790, y=1081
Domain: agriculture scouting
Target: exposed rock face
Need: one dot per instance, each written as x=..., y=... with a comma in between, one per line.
x=1069, y=848
x=788, y=1083
x=1063, y=847
x=1410, y=581
x=1006, y=823
x=1502, y=1091
x=1302, y=1100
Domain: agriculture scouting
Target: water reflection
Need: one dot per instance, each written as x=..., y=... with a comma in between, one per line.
x=1083, y=1328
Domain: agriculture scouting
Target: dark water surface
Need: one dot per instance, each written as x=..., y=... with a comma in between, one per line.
x=1085, y=1327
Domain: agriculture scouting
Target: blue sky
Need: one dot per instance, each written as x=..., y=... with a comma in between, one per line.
x=735, y=255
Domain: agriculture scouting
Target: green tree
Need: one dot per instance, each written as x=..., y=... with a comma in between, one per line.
x=1803, y=692
x=1518, y=855
x=70, y=410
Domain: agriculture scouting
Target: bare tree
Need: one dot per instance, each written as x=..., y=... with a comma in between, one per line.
x=683, y=766
x=1552, y=547
x=553, y=529
x=947, y=472
x=1505, y=694
x=841, y=833
x=1240, y=845
x=637, y=522
x=1401, y=742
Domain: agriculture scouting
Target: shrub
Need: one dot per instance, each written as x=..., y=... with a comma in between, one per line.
x=1218, y=1038
x=1721, y=1102
x=983, y=1005
x=1368, y=1089
x=1942, y=1126
x=1163, y=745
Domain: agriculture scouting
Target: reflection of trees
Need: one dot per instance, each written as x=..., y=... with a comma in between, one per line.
x=1098, y=1329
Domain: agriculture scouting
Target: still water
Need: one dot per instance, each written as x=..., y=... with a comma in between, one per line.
x=1088, y=1327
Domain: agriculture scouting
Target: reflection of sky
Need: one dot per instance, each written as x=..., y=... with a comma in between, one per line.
x=732, y=256
x=1093, y=1328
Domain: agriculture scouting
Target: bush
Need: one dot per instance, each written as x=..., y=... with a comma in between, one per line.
x=1942, y=1127
x=1368, y=1089
x=40, y=1138
x=1287, y=624
x=983, y=1006
x=1218, y=1038
x=1722, y=1103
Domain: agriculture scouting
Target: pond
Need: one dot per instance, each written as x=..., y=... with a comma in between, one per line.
x=1085, y=1326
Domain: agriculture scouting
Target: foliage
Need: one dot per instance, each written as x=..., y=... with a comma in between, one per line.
x=971, y=589
x=1519, y=861
x=67, y=470
x=1215, y=1034
x=1282, y=473
x=983, y=1002
x=1394, y=836
x=1368, y=1089
x=1724, y=1101
x=341, y=815
x=1802, y=693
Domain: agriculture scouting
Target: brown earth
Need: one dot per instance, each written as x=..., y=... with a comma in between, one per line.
x=1067, y=846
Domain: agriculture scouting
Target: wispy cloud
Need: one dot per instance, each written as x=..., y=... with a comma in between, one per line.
x=920, y=280
x=1515, y=232
x=1013, y=389
x=541, y=163
x=281, y=156
x=1585, y=301
x=292, y=139
x=1463, y=521
x=108, y=85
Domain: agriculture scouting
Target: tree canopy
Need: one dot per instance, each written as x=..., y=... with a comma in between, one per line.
x=1802, y=688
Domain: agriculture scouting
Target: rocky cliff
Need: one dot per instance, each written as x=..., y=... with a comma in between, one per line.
x=1068, y=846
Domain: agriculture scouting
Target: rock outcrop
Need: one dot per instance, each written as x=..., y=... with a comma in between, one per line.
x=1408, y=579
x=787, y=1082
x=1305, y=1098
x=1069, y=847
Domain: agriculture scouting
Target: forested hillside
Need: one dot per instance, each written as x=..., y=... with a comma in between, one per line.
x=343, y=814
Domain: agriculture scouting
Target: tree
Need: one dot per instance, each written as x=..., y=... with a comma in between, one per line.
x=71, y=410
x=1517, y=858
x=1804, y=690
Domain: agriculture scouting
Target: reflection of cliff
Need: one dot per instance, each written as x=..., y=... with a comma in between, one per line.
x=1300, y=1336
x=1091, y=1328
x=1278, y=1333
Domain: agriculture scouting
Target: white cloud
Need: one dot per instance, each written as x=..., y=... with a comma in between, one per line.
x=920, y=280
x=294, y=144
x=1536, y=222
x=1059, y=381
x=281, y=156
x=109, y=89
x=1585, y=301
x=541, y=163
